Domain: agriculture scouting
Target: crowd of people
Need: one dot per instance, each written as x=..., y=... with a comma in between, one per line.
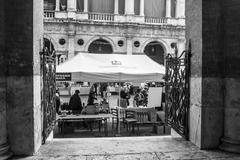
x=140, y=96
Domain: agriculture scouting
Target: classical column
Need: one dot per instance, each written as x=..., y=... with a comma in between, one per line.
x=85, y=6
x=168, y=8
x=71, y=5
x=57, y=5
x=23, y=77
x=129, y=6
x=180, y=8
x=129, y=45
x=4, y=147
x=141, y=7
x=115, y=6
x=231, y=139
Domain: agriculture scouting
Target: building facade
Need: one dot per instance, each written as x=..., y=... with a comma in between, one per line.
x=115, y=26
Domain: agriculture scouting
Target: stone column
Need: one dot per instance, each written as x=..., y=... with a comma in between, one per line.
x=231, y=135
x=206, y=82
x=129, y=45
x=231, y=139
x=168, y=8
x=180, y=8
x=129, y=7
x=57, y=5
x=4, y=147
x=71, y=5
x=3, y=118
x=115, y=6
x=85, y=6
x=23, y=86
x=141, y=7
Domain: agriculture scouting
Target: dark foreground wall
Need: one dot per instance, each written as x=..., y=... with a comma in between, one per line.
x=231, y=140
x=214, y=33
x=22, y=36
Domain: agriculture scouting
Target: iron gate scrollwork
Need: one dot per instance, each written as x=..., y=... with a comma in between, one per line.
x=177, y=91
x=48, y=89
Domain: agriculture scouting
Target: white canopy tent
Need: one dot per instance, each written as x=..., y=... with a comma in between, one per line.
x=112, y=68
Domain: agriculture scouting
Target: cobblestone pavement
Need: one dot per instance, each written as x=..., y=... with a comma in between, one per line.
x=126, y=148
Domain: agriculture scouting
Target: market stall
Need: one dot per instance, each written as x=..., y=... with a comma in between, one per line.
x=111, y=68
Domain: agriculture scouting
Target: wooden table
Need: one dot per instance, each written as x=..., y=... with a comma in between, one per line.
x=79, y=118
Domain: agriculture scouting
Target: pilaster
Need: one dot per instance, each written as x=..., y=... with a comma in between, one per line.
x=129, y=45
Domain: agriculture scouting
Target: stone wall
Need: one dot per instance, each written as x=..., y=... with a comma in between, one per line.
x=231, y=140
x=204, y=29
x=212, y=73
x=3, y=129
x=112, y=32
x=22, y=39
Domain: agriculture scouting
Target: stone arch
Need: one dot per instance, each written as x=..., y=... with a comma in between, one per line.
x=100, y=37
x=155, y=50
x=162, y=42
x=54, y=43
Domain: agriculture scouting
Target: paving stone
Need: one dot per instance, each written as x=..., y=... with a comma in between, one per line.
x=140, y=156
x=127, y=148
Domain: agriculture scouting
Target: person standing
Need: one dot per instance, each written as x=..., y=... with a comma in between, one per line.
x=138, y=98
x=124, y=94
x=75, y=103
x=58, y=102
x=91, y=96
x=103, y=89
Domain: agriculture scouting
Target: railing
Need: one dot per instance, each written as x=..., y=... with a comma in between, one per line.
x=49, y=14
x=155, y=20
x=101, y=17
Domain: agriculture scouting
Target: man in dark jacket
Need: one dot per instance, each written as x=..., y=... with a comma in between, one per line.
x=75, y=103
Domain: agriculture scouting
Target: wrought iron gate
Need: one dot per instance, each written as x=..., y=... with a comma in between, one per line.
x=48, y=90
x=177, y=91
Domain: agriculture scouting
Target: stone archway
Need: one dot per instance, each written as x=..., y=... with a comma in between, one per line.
x=100, y=46
x=48, y=43
x=155, y=51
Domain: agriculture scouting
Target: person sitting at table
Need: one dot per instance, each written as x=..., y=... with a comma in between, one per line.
x=75, y=103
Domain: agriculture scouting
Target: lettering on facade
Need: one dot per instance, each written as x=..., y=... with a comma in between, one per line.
x=63, y=77
x=115, y=62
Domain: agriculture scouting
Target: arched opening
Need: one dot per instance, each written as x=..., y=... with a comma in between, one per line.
x=155, y=51
x=100, y=46
x=47, y=43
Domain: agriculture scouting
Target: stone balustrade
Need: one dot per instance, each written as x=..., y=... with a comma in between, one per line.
x=155, y=20
x=100, y=17
x=49, y=14
x=104, y=17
